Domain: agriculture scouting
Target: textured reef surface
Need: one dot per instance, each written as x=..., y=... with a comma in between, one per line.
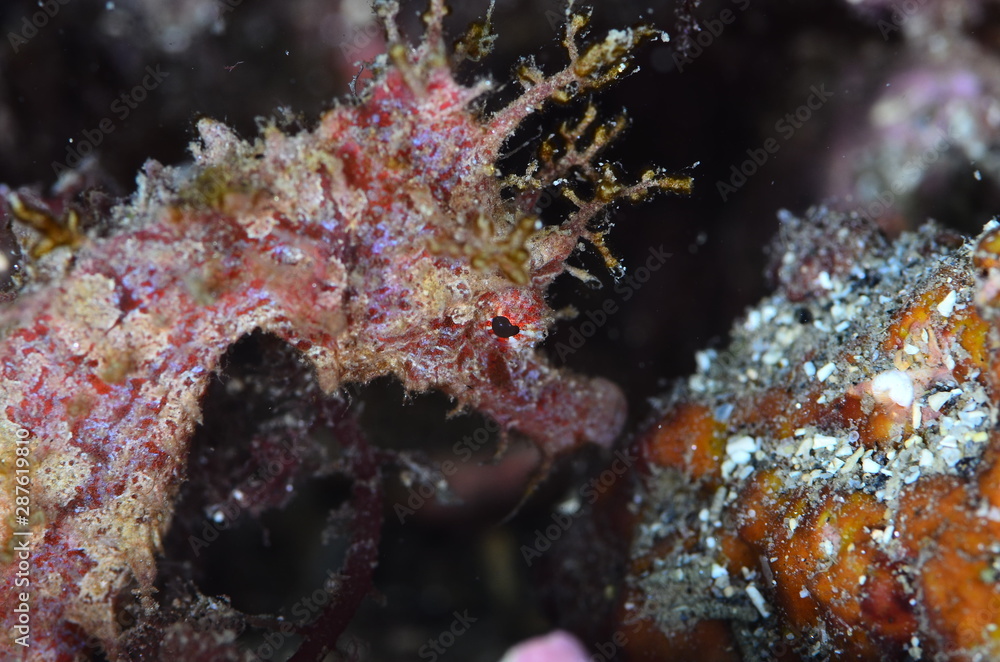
x=826, y=487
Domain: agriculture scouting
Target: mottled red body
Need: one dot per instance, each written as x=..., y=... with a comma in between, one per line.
x=370, y=244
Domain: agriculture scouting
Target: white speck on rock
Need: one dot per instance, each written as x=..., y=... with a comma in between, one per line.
x=758, y=600
x=947, y=305
x=824, y=373
x=894, y=384
x=741, y=449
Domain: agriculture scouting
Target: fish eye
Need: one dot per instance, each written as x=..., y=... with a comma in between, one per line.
x=504, y=328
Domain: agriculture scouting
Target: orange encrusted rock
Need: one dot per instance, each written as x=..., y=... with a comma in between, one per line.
x=687, y=438
x=851, y=507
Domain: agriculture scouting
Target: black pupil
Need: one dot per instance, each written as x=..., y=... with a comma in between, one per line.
x=504, y=328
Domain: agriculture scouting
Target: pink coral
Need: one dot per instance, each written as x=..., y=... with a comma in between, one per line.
x=556, y=646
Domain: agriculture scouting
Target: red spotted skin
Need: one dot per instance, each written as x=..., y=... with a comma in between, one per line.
x=361, y=243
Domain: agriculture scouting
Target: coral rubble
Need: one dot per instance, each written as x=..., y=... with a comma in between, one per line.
x=826, y=487
x=384, y=241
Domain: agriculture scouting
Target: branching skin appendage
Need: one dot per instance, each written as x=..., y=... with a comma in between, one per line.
x=378, y=243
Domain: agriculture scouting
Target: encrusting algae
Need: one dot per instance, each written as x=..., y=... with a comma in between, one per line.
x=827, y=487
